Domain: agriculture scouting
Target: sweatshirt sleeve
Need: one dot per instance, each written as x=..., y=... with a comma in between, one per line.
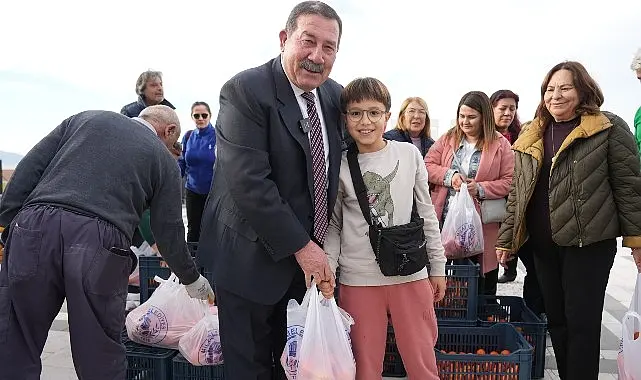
x=29, y=172
x=167, y=224
x=332, y=244
x=425, y=208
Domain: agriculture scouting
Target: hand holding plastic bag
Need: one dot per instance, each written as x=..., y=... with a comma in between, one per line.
x=462, y=233
x=325, y=350
x=166, y=316
x=628, y=360
x=201, y=345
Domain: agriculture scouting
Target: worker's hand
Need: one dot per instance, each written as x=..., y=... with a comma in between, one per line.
x=201, y=289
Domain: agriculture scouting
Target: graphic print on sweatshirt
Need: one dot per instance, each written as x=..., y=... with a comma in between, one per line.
x=379, y=195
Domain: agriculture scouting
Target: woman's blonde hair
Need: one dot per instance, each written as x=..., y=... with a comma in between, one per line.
x=400, y=123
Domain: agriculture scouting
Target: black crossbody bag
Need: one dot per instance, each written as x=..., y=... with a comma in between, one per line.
x=399, y=250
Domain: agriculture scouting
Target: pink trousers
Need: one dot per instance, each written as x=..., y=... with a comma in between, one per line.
x=411, y=308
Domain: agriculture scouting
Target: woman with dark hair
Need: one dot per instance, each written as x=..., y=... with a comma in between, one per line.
x=197, y=164
x=576, y=188
x=505, y=104
x=472, y=154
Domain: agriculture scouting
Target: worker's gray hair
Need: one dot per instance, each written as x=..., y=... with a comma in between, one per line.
x=160, y=113
x=144, y=78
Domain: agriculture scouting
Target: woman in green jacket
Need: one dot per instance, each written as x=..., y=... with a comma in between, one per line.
x=576, y=188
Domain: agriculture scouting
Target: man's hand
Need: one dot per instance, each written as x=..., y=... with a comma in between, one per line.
x=439, y=284
x=326, y=288
x=503, y=257
x=313, y=261
x=636, y=253
x=457, y=181
x=201, y=289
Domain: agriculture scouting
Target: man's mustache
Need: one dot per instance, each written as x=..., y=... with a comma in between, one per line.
x=311, y=66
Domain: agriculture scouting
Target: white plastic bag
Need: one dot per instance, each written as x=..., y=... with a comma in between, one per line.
x=296, y=315
x=629, y=363
x=166, y=316
x=462, y=233
x=201, y=345
x=325, y=350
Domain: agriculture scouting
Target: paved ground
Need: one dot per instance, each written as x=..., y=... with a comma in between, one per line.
x=58, y=365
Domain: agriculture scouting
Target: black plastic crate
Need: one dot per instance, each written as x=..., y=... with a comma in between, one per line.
x=151, y=266
x=392, y=363
x=514, y=311
x=461, y=295
x=458, y=354
x=183, y=370
x=148, y=363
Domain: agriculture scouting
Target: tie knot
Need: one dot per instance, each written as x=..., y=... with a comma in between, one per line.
x=308, y=96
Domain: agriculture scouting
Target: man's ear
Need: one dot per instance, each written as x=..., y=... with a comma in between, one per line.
x=171, y=130
x=283, y=38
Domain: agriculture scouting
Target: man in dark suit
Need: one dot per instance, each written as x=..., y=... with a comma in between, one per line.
x=279, y=132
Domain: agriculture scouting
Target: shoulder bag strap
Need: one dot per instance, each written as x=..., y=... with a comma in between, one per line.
x=357, y=180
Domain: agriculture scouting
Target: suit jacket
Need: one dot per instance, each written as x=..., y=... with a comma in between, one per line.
x=494, y=175
x=260, y=207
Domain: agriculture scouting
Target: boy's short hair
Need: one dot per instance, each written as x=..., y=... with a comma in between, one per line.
x=365, y=89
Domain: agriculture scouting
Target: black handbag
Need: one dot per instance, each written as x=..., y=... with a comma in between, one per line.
x=399, y=250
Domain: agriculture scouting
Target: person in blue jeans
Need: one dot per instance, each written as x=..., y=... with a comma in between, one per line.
x=197, y=164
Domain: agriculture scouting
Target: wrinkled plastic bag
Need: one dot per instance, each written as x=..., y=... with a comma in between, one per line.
x=321, y=349
x=201, y=345
x=296, y=317
x=628, y=360
x=166, y=316
x=462, y=234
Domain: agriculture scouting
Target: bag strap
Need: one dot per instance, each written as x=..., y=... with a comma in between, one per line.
x=187, y=136
x=357, y=181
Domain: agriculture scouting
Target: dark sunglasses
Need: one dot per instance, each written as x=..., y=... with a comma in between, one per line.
x=199, y=115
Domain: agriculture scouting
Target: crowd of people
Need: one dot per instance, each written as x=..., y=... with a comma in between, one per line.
x=273, y=202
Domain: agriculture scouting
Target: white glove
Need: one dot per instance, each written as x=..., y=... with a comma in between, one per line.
x=201, y=289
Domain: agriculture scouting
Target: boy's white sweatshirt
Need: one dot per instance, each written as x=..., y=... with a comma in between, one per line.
x=394, y=176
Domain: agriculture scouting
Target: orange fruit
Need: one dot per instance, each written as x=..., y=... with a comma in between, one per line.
x=505, y=352
x=480, y=351
x=494, y=353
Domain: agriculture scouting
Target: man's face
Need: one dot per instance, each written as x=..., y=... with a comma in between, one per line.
x=639, y=75
x=153, y=92
x=309, y=52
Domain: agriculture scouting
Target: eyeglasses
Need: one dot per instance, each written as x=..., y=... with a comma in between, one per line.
x=413, y=112
x=199, y=115
x=372, y=115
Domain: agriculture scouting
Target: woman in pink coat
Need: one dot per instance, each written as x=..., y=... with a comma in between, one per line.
x=484, y=163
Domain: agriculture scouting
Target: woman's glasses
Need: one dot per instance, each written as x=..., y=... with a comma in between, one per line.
x=199, y=115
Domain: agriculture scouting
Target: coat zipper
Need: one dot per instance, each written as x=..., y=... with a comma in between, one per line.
x=574, y=200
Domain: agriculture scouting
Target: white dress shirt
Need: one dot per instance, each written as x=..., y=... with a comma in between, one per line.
x=302, y=103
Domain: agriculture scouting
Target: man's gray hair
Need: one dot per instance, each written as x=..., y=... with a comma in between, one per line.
x=636, y=62
x=312, y=8
x=144, y=78
x=161, y=114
